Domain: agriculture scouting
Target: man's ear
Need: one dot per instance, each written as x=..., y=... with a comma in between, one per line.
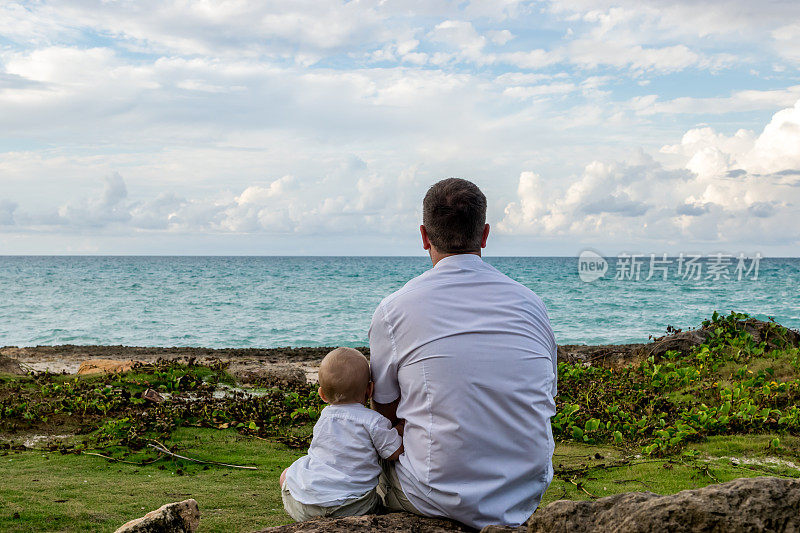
x=426, y=244
x=485, y=236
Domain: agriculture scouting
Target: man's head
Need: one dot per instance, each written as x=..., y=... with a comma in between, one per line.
x=454, y=217
x=344, y=376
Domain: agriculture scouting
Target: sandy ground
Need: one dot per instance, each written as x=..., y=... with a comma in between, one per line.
x=68, y=358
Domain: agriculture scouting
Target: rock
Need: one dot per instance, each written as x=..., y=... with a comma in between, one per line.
x=281, y=376
x=620, y=355
x=392, y=522
x=10, y=366
x=606, y=355
x=769, y=332
x=747, y=504
x=152, y=396
x=178, y=517
x=106, y=366
x=683, y=342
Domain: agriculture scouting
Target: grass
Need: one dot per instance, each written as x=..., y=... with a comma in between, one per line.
x=54, y=492
x=585, y=471
x=49, y=491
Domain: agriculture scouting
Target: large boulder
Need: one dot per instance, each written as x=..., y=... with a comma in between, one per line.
x=606, y=355
x=392, y=522
x=747, y=504
x=178, y=517
x=683, y=341
x=10, y=366
x=621, y=355
x=773, y=335
x=106, y=366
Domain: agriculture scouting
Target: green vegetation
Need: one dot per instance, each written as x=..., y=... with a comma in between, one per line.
x=727, y=409
x=728, y=385
x=110, y=413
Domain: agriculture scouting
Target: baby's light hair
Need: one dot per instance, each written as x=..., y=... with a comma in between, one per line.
x=344, y=376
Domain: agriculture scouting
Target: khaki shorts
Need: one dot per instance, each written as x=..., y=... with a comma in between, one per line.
x=366, y=504
x=391, y=492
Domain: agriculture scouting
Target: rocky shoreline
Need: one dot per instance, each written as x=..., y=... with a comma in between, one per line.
x=68, y=358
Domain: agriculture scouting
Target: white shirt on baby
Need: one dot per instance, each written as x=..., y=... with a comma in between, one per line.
x=342, y=461
x=472, y=357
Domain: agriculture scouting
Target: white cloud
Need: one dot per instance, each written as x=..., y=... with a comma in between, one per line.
x=745, y=100
x=732, y=189
x=736, y=21
x=530, y=59
x=776, y=149
x=7, y=208
x=500, y=37
x=463, y=37
x=376, y=202
x=257, y=194
x=203, y=107
x=545, y=89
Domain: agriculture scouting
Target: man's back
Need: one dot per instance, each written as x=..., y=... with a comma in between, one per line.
x=473, y=355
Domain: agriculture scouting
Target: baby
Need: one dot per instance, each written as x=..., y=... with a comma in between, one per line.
x=339, y=475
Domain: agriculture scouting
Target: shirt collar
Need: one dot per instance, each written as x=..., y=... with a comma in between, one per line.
x=458, y=259
x=354, y=405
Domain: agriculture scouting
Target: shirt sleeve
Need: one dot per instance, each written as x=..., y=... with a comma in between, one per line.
x=385, y=438
x=554, y=356
x=383, y=360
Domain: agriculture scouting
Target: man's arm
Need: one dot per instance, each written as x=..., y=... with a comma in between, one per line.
x=389, y=410
x=383, y=365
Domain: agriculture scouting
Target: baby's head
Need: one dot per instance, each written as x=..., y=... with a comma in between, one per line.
x=344, y=377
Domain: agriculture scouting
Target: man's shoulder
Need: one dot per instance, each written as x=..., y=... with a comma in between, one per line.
x=428, y=280
x=413, y=285
x=514, y=285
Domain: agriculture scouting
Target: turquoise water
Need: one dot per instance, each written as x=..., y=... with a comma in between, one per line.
x=323, y=301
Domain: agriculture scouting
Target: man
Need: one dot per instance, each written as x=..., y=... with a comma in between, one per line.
x=467, y=358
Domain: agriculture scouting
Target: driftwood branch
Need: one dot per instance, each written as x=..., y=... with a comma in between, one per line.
x=115, y=460
x=162, y=449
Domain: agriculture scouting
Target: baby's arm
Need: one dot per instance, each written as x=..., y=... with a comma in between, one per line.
x=387, y=439
x=396, y=455
x=399, y=428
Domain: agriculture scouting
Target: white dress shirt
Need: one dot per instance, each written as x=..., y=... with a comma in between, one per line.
x=472, y=357
x=342, y=461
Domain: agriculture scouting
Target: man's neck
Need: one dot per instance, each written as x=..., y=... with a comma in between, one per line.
x=437, y=256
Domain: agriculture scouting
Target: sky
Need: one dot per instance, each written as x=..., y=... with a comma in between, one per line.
x=315, y=127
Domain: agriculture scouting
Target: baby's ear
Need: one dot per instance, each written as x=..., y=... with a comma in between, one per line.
x=370, y=389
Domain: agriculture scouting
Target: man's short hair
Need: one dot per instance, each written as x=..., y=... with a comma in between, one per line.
x=454, y=215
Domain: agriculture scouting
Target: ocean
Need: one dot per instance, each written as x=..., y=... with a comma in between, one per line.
x=221, y=302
